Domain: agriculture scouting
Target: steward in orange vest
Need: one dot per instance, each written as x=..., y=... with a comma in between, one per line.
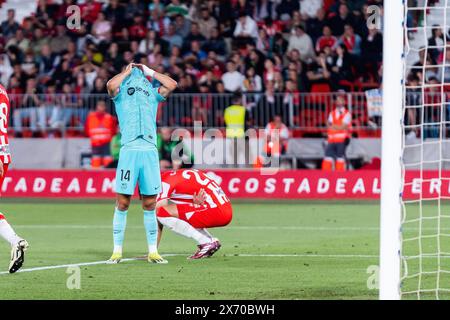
x=100, y=128
x=339, y=125
x=276, y=141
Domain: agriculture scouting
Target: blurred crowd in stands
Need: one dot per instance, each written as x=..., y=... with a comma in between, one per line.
x=210, y=46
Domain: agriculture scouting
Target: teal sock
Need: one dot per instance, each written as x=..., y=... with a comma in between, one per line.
x=151, y=230
x=119, y=225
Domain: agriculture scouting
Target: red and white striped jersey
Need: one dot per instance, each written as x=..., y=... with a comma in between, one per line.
x=5, y=155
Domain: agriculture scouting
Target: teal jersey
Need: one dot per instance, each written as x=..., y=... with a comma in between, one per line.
x=136, y=106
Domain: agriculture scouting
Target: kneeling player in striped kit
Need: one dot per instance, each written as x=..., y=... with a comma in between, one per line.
x=191, y=202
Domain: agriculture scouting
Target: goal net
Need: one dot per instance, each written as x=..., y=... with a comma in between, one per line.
x=425, y=158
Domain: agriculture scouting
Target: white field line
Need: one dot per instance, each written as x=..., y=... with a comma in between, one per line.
x=182, y=254
x=338, y=256
x=304, y=228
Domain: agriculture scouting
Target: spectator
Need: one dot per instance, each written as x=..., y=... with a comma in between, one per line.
x=265, y=9
x=351, y=40
x=172, y=37
x=319, y=70
x=300, y=41
x=246, y=30
x=115, y=14
x=286, y=8
x=326, y=40
x=436, y=42
x=39, y=40
x=182, y=25
x=66, y=108
x=133, y=8
x=19, y=41
x=61, y=41
x=446, y=70
x=50, y=103
x=100, y=128
x=338, y=22
x=314, y=26
x=176, y=8
x=339, y=125
x=309, y=8
x=48, y=61
x=194, y=35
x=102, y=29
x=10, y=26
x=29, y=107
x=341, y=68
x=232, y=79
x=90, y=10
x=252, y=81
x=206, y=23
x=6, y=69
x=216, y=43
x=195, y=52
x=269, y=105
x=413, y=97
x=371, y=51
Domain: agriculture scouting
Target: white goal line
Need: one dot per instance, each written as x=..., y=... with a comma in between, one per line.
x=82, y=264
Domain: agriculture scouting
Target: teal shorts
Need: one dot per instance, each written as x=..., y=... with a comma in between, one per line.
x=138, y=166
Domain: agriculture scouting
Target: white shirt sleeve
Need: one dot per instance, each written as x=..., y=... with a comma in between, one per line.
x=238, y=29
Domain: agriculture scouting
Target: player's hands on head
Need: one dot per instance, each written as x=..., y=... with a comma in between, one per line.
x=129, y=68
x=139, y=66
x=200, y=197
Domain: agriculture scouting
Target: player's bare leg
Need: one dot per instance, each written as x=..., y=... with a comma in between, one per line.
x=18, y=245
x=151, y=229
x=119, y=226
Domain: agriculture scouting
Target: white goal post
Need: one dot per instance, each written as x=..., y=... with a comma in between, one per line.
x=415, y=173
x=391, y=172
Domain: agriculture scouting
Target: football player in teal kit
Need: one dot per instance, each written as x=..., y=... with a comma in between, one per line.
x=136, y=101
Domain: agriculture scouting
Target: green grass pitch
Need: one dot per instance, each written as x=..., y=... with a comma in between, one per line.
x=271, y=250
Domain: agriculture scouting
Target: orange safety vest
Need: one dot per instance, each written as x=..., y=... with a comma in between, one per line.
x=100, y=128
x=273, y=147
x=338, y=136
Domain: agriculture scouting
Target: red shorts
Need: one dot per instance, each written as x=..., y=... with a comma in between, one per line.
x=5, y=169
x=202, y=217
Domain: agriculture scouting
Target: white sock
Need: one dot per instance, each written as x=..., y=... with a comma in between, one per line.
x=117, y=249
x=7, y=233
x=152, y=248
x=206, y=234
x=185, y=229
